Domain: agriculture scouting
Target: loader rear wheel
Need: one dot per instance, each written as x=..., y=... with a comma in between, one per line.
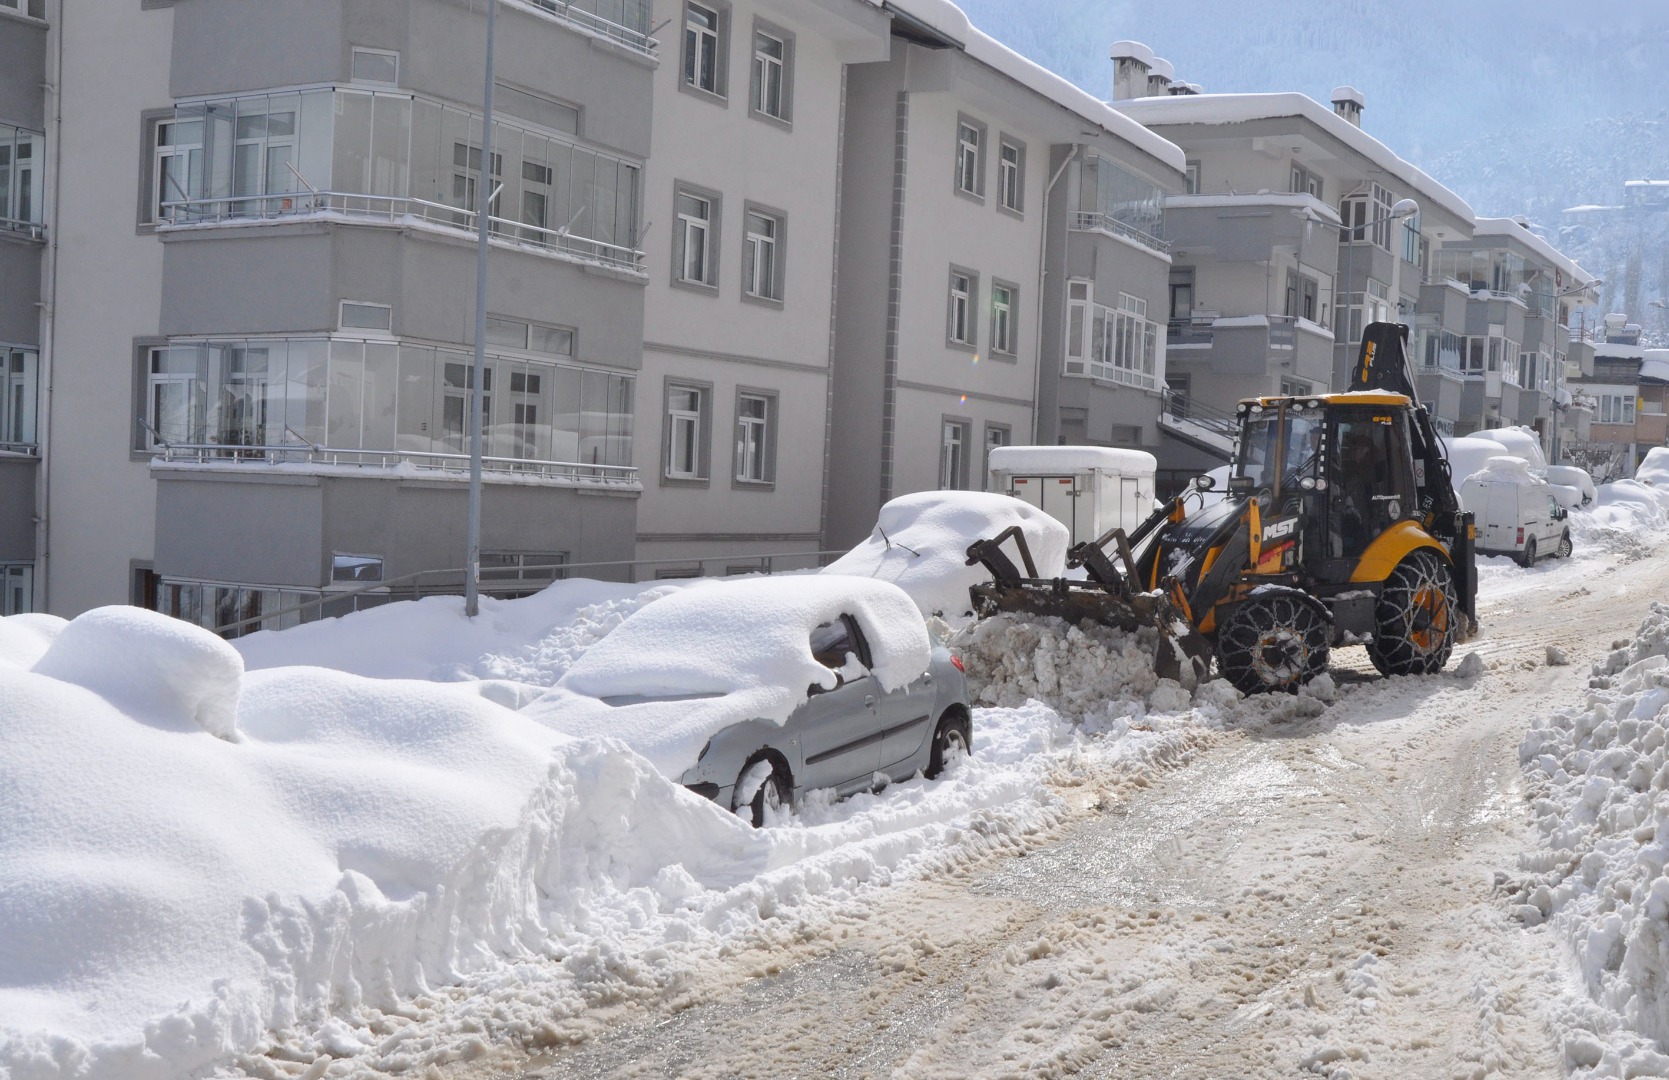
x=1417, y=617
x=1273, y=643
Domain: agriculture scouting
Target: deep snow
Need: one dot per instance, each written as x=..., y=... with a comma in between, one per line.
x=218, y=858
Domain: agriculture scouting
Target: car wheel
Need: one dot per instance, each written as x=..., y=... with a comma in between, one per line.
x=772, y=794
x=1528, y=559
x=1564, y=549
x=951, y=742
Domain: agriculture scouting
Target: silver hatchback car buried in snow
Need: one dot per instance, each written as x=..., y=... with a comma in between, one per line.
x=840, y=738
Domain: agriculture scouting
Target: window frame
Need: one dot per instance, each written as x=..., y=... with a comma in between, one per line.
x=342, y=323
x=1006, y=431
x=680, y=244
x=964, y=162
x=701, y=472
x=1011, y=179
x=953, y=470
x=785, y=69
x=354, y=53
x=1006, y=347
x=962, y=307
x=768, y=426
x=750, y=255
x=689, y=75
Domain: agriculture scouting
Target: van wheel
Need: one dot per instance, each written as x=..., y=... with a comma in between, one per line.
x=1564, y=549
x=1416, y=619
x=1528, y=559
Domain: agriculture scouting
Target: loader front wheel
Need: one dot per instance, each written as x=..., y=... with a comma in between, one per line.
x=1417, y=617
x=1273, y=643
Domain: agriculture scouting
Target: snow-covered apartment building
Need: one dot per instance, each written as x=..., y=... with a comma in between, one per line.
x=1001, y=268
x=746, y=281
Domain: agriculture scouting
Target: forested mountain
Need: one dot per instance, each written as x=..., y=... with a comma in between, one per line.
x=1523, y=108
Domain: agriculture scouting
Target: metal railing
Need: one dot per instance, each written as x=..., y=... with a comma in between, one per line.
x=1095, y=221
x=636, y=40
x=393, y=210
x=1181, y=409
x=34, y=229
x=449, y=582
x=293, y=454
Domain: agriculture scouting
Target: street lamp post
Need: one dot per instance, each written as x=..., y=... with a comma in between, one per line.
x=477, y=402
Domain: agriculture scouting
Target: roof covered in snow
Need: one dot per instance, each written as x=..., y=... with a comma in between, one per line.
x=1508, y=227
x=949, y=20
x=1243, y=108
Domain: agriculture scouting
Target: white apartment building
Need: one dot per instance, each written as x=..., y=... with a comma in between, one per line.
x=950, y=168
x=741, y=196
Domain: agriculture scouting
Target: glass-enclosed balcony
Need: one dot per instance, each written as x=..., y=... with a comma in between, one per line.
x=22, y=161
x=625, y=22
x=19, y=398
x=1499, y=273
x=395, y=158
x=384, y=403
x=1115, y=200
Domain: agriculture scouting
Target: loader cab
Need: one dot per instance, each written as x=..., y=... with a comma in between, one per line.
x=1342, y=462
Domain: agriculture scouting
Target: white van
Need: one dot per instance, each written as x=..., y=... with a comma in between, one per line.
x=1089, y=489
x=1516, y=513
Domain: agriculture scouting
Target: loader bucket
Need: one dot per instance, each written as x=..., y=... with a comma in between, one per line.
x=1182, y=653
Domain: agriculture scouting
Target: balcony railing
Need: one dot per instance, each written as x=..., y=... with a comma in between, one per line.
x=1094, y=221
x=619, y=476
x=394, y=210
x=625, y=36
x=32, y=229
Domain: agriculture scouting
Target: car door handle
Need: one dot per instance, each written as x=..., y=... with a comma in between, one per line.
x=928, y=679
x=869, y=702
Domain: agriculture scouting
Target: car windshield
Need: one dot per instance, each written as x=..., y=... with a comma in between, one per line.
x=1262, y=449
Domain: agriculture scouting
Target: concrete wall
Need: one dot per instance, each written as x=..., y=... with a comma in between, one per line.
x=17, y=507
x=22, y=71
x=281, y=529
x=20, y=270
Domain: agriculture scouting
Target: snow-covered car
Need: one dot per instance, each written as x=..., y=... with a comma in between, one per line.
x=755, y=691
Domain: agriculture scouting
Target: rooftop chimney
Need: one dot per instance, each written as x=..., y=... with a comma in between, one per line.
x=1347, y=102
x=1159, y=79
x=1184, y=89
x=1132, y=61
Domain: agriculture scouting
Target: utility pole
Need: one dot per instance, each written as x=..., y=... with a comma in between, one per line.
x=477, y=402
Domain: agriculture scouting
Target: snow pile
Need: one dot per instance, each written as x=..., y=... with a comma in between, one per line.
x=1503, y=469
x=1469, y=454
x=1601, y=772
x=1572, y=477
x=168, y=895
x=1520, y=442
x=531, y=640
x=721, y=652
x=1654, y=468
x=920, y=543
x=24, y=639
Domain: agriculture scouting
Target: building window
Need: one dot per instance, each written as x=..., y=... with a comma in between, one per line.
x=1011, y=171
x=696, y=230
x=177, y=172
x=33, y=8
x=1122, y=343
x=523, y=336
x=755, y=437
x=953, y=455
x=704, y=48
x=1003, y=309
x=376, y=66
x=771, y=92
x=355, y=568
x=17, y=588
x=1191, y=178
x=687, y=411
x=964, y=287
x=1367, y=217
x=539, y=567
x=1305, y=182
x=1303, y=296
x=21, y=154
x=359, y=315
x=762, y=271
x=1363, y=309
x=19, y=393
x=970, y=157
x=1114, y=199
x=995, y=435
x=1411, y=241
x=1182, y=294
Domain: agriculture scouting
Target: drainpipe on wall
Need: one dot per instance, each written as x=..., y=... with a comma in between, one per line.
x=49, y=291
x=1042, y=280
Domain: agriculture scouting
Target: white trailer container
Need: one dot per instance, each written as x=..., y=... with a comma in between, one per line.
x=1089, y=489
